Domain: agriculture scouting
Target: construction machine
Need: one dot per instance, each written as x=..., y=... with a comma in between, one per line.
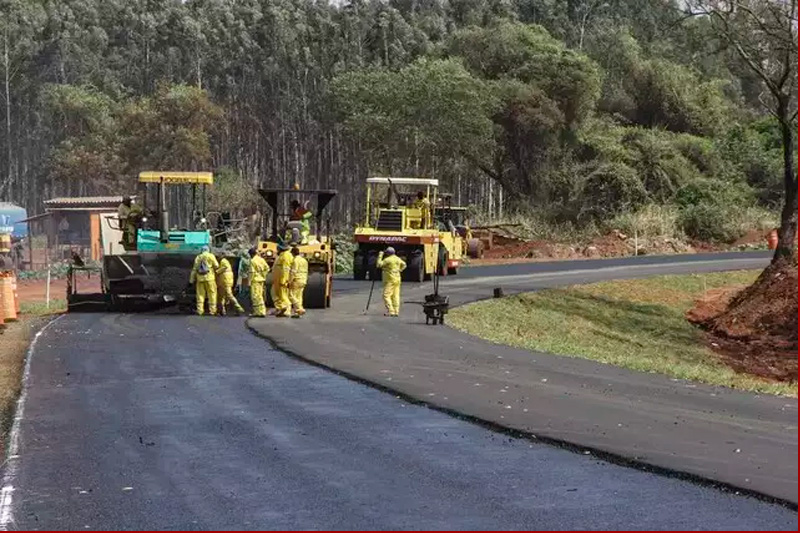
x=317, y=247
x=456, y=217
x=396, y=216
x=171, y=229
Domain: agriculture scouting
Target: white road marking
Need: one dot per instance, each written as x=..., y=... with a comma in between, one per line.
x=12, y=453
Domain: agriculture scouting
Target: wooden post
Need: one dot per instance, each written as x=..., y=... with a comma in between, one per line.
x=47, y=290
x=94, y=236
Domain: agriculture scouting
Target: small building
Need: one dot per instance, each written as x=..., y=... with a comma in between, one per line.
x=73, y=224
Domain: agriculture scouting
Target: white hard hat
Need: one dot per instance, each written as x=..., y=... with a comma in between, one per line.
x=389, y=251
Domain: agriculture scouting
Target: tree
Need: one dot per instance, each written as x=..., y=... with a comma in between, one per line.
x=20, y=20
x=407, y=119
x=764, y=35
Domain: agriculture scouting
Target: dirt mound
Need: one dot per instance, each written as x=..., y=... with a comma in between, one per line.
x=754, y=329
x=614, y=244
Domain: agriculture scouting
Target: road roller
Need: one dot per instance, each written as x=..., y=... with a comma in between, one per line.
x=297, y=218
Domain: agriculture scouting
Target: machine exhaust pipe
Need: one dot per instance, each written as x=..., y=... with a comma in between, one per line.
x=163, y=215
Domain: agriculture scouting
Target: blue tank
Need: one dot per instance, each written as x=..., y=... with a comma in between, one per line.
x=10, y=215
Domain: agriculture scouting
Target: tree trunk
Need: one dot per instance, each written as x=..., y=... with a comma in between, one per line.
x=7, y=68
x=788, y=231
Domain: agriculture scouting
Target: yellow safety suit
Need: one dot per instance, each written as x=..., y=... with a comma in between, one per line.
x=280, y=283
x=304, y=216
x=205, y=283
x=298, y=279
x=225, y=287
x=424, y=205
x=258, y=277
x=391, y=266
x=129, y=217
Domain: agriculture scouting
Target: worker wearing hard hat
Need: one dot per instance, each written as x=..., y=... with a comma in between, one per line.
x=298, y=279
x=302, y=214
x=280, y=280
x=392, y=266
x=225, y=287
x=258, y=277
x=204, y=279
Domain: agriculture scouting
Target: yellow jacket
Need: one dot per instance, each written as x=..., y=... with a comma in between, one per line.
x=211, y=266
x=258, y=269
x=392, y=266
x=299, y=271
x=282, y=269
x=225, y=273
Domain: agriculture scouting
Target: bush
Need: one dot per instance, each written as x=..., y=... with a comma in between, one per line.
x=651, y=221
x=344, y=253
x=611, y=188
x=714, y=192
x=708, y=222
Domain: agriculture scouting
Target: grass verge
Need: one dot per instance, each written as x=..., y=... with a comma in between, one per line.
x=636, y=324
x=15, y=337
x=39, y=309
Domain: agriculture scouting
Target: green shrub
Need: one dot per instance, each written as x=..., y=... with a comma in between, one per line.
x=708, y=222
x=653, y=220
x=611, y=188
x=714, y=192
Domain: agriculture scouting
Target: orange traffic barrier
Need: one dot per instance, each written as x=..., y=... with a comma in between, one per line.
x=8, y=307
x=16, y=293
x=772, y=239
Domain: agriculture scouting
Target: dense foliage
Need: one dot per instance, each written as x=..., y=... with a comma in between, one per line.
x=577, y=109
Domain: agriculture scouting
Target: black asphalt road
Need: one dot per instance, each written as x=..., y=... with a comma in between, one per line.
x=744, y=440
x=170, y=422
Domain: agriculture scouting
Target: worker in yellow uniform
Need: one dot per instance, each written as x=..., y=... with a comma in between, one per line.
x=392, y=266
x=424, y=205
x=280, y=280
x=130, y=217
x=298, y=279
x=302, y=214
x=225, y=287
x=258, y=278
x=204, y=279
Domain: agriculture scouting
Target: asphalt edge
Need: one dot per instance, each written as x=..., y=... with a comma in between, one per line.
x=570, y=446
x=9, y=465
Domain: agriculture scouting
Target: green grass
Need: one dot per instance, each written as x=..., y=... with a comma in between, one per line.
x=39, y=309
x=636, y=324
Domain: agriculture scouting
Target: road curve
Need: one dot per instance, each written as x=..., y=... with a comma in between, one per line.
x=174, y=422
x=738, y=439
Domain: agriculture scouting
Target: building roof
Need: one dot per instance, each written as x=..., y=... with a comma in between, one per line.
x=83, y=203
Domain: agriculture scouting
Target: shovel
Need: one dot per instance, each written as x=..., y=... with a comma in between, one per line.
x=369, y=299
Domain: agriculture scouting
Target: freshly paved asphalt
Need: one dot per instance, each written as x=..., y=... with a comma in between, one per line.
x=167, y=422
x=744, y=440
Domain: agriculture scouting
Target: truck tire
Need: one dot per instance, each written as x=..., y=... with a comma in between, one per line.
x=475, y=248
x=416, y=267
x=373, y=272
x=359, y=267
x=443, y=258
x=316, y=293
